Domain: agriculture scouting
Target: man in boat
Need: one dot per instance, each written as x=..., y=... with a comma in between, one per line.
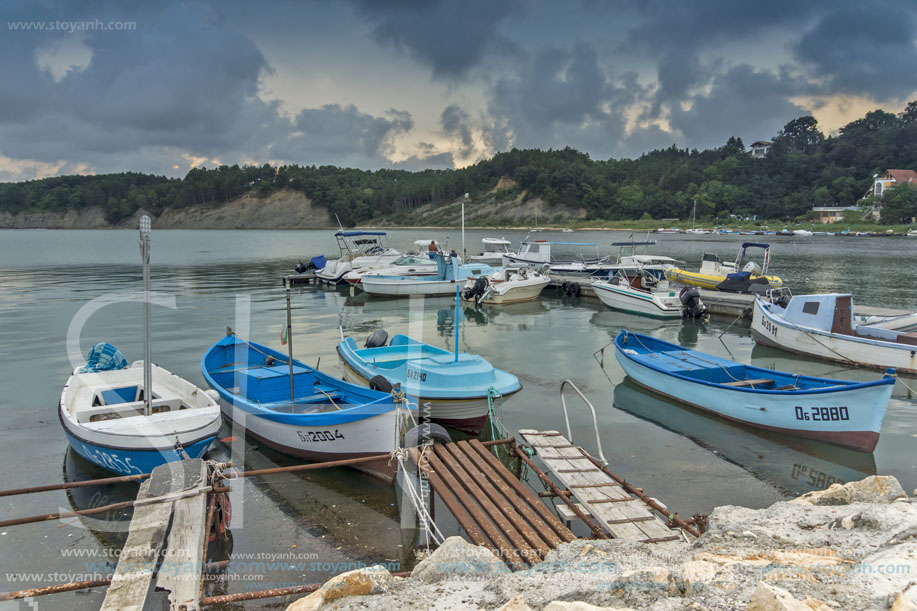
x=432, y=249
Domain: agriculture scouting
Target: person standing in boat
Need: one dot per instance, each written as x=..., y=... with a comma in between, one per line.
x=432, y=249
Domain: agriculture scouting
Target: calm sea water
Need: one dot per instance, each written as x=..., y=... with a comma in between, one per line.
x=691, y=461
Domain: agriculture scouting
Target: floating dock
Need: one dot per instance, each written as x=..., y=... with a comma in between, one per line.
x=305, y=278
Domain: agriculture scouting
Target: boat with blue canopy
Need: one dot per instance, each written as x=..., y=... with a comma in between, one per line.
x=842, y=412
x=301, y=411
x=454, y=386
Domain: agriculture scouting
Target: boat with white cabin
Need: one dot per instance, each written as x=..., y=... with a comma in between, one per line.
x=359, y=251
x=494, y=249
x=822, y=326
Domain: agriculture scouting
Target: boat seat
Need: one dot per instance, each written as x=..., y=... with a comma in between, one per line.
x=333, y=395
x=787, y=387
x=756, y=382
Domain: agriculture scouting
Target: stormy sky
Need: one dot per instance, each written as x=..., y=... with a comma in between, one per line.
x=93, y=86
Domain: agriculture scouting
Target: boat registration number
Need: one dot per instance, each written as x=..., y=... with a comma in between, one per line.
x=769, y=326
x=416, y=375
x=822, y=414
x=310, y=436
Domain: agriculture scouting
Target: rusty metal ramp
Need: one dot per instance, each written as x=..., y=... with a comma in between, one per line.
x=620, y=513
x=493, y=507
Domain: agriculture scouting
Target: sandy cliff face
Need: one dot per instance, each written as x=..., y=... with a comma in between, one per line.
x=281, y=210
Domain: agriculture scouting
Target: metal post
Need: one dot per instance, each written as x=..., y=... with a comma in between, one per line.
x=147, y=364
x=290, y=342
x=465, y=199
x=458, y=313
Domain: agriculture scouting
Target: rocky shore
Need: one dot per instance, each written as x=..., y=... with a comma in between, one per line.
x=852, y=546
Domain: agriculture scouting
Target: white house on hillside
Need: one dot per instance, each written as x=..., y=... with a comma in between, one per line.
x=760, y=148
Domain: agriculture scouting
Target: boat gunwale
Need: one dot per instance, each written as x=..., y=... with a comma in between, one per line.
x=840, y=385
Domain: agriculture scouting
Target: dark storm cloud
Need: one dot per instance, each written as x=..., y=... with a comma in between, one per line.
x=456, y=123
x=450, y=36
x=865, y=51
x=342, y=133
x=735, y=97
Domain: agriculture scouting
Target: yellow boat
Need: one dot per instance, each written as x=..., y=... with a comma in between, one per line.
x=713, y=272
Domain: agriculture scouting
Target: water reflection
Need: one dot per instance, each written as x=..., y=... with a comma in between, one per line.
x=792, y=464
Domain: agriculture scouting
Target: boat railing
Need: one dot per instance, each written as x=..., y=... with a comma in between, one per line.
x=595, y=424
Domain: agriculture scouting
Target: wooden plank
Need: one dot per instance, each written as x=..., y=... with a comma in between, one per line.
x=756, y=382
x=131, y=581
x=623, y=515
x=180, y=571
x=523, y=491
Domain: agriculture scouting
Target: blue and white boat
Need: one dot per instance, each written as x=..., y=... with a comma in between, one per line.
x=325, y=419
x=104, y=415
x=450, y=271
x=451, y=388
x=841, y=412
x=360, y=251
x=131, y=419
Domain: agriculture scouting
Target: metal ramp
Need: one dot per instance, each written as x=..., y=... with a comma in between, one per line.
x=621, y=514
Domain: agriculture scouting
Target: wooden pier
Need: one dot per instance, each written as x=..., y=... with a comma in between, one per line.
x=621, y=514
x=305, y=278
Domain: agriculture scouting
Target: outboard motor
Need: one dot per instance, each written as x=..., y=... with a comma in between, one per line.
x=378, y=339
x=480, y=285
x=693, y=305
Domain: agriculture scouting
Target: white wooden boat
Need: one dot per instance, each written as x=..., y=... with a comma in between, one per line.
x=822, y=326
x=505, y=286
x=841, y=412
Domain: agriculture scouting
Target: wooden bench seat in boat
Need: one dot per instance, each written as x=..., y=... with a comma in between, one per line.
x=127, y=410
x=757, y=382
x=319, y=402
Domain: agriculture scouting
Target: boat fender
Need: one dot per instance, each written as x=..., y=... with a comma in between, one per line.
x=378, y=339
x=564, y=287
x=422, y=433
x=380, y=383
x=212, y=394
x=574, y=289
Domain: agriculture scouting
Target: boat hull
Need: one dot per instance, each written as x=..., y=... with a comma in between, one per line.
x=466, y=414
x=358, y=439
x=380, y=287
x=771, y=330
x=853, y=417
x=634, y=302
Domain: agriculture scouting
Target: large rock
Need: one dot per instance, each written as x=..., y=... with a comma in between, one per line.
x=873, y=489
x=458, y=558
x=767, y=597
x=360, y=582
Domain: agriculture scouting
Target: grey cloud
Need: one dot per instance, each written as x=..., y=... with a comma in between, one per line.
x=865, y=51
x=434, y=161
x=452, y=37
x=456, y=123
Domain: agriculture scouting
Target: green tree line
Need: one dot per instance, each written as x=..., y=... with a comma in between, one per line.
x=802, y=169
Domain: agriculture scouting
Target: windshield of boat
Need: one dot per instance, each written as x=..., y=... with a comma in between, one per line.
x=412, y=260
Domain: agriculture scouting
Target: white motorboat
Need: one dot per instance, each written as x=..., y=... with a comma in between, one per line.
x=360, y=251
x=405, y=265
x=450, y=272
x=822, y=326
x=802, y=233
x=537, y=253
x=494, y=249
x=638, y=292
x=505, y=286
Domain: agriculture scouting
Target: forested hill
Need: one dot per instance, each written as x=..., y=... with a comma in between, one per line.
x=802, y=169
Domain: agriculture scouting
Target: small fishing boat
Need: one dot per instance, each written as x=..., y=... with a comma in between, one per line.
x=454, y=386
x=639, y=292
x=360, y=251
x=316, y=416
x=130, y=419
x=822, y=326
x=841, y=412
x=492, y=255
x=505, y=286
x=450, y=271
x=405, y=265
x=732, y=277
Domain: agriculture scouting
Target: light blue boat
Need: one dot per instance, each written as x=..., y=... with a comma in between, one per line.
x=841, y=412
x=450, y=271
x=451, y=388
